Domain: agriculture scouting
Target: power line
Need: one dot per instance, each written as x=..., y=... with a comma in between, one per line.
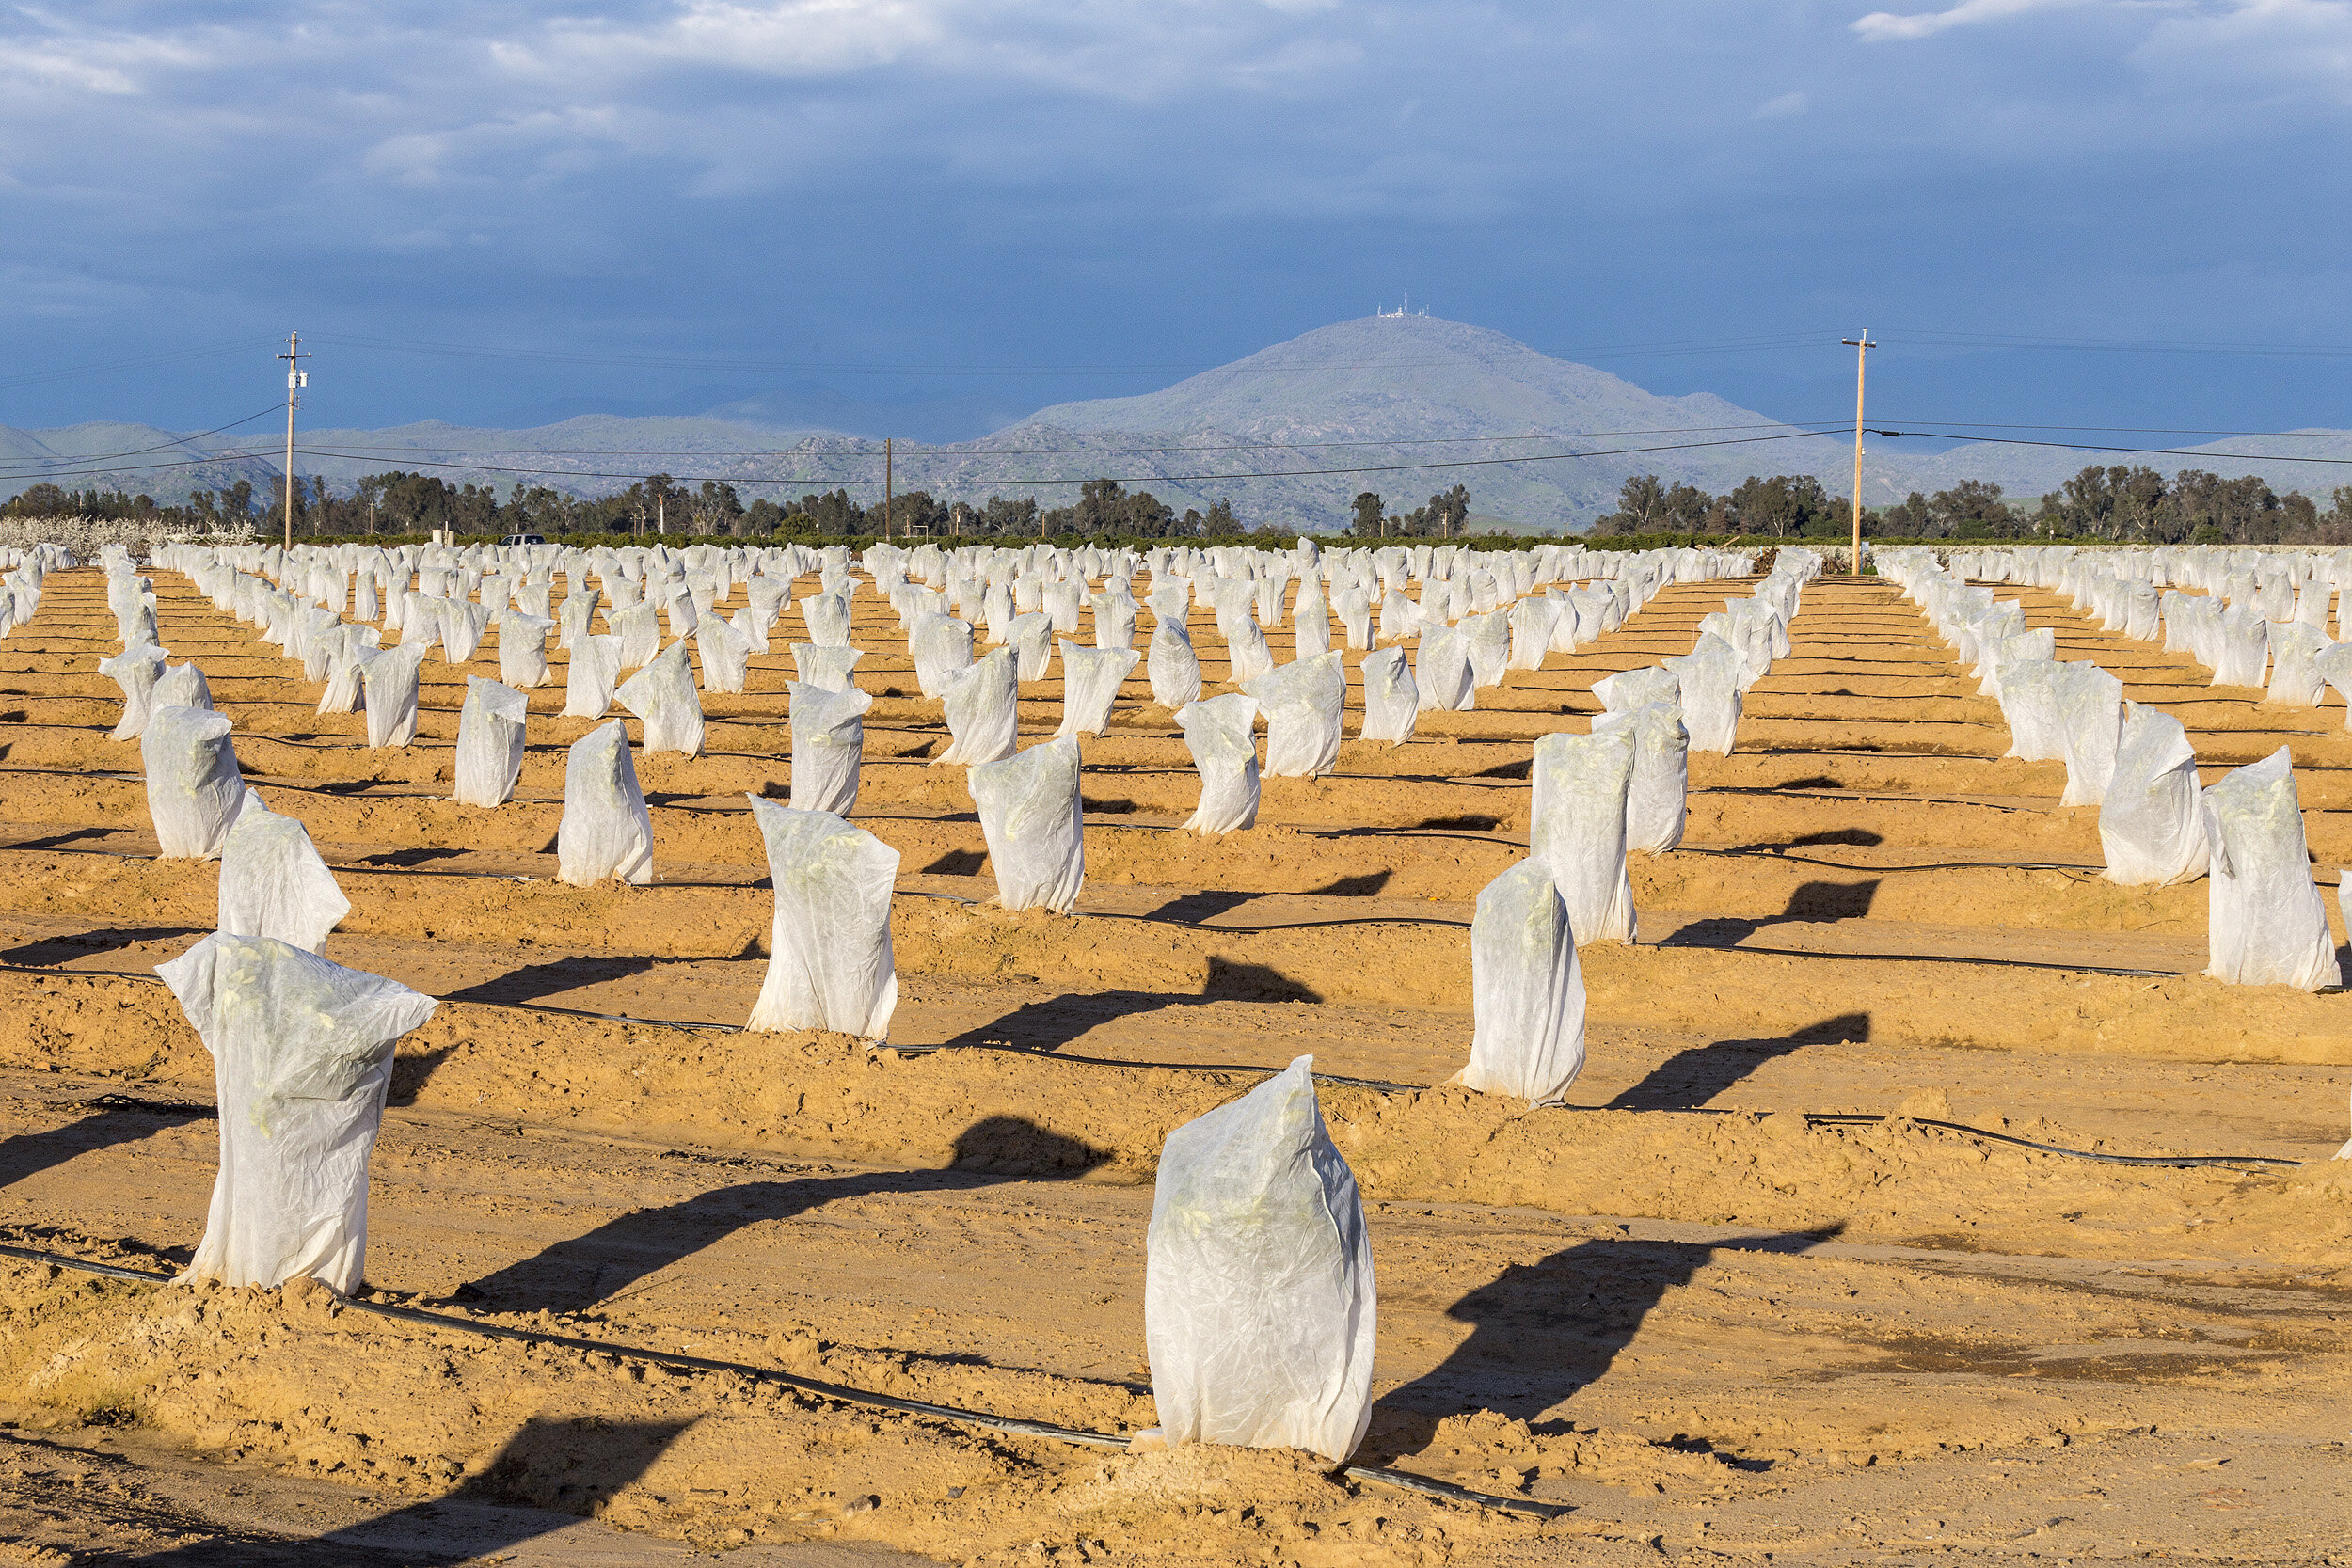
x=135, y=451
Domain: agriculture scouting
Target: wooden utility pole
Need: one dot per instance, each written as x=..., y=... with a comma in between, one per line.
x=1861, y=348
x=887, y=478
x=295, y=381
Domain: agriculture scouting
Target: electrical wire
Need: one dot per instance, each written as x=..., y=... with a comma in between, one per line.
x=136, y=451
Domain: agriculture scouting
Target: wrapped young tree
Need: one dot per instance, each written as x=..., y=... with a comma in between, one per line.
x=2150, y=820
x=388, y=681
x=1441, y=672
x=1658, y=801
x=590, y=676
x=982, y=711
x=1708, y=682
x=273, y=882
x=2091, y=720
x=726, y=654
x=136, y=669
x=1391, y=700
x=939, y=645
x=523, y=650
x=1222, y=734
x=829, y=957
x=827, y=668
x=1174, y=668
x=182, y=686
x=1091, y=679
x=489, y=743
x=1258, y=1308
x=663, y=698
x=1486, y=639
x=1527, y=995
x=194, y=790
x=1303, y=704
x=828, y=747
x=2266, y=922
x=1031, y=639
x=302, y=1058
x=606, y=831
x=1582, y=782
x=1034, y=821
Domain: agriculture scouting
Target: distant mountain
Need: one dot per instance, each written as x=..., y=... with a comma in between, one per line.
x=1403, y=405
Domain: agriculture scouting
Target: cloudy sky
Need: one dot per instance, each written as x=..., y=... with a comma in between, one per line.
x=935, y=214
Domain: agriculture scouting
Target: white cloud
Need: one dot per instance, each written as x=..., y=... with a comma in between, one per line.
x=1785, y=105
x=1883, y=26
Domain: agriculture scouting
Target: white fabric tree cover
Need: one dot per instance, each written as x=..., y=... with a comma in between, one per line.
x=489, y=743
x=589, y=678
x=2090, y=717
x=941, y=644
x=2266, y=922
x=2040, y=643
x=1441, y=673
x=752, y=630
x=1247, y=654
x=523, y=650
x=1311, y=625
x=2294, y=677
x=1532, y=622
x=1527, y=995
x=1487, y=640
x=1034, y=821
x=1174, y=668
x=829, y=956
x=663, y=696
x=725, y=651
x=420, y=618
x=1353, y=606
x=182, y=686
x=2149, y=822
x=1391, y=698
x=136, y=669
x=606, y=831
x=1303, y=703
x=2241, y=642
x=1091, y=679
x=828, y=747
x=982, y=710
x=2030, y=706
x=639, y=628
x=463, y=622
x=1709, y=675
x=1630, y=688
x=1222, y=734
x=1260, y=1313
x=1658, y=801
x=1582, y=782
x=1114, y=620
x=827, y=668
x=827, y=618
x=1031, y=639
x=273, y=882
x=2334, y=665
x=302, y=1058
x=194, y=790
x=388, y=681
x=346, y=679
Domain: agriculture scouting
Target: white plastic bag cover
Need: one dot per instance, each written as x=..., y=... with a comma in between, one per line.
x=302, y=1056
x=463, y=622
x=1259, y=1312
x=1582, y=782
x=273, y=882
x=1247, y=654
x=606, y=831
x=588, y=679
x=829, y=957
x=725, y=653
x=2266, y=922
x=136, y=670
x=1532, y=622
x=939, y=644
x=1441, y=673
x=827, y=618
x=1527, y=995
x=1304, y=702
x=2334, y=665
x=828, y=746
x=1391, y=698
x=1174, y=668
x=1489, y=641
x=523, y=650
x=489, y=743
x=827, y=668
x=194, y=790
x=388, y=681
x=1091, y=679
x=2294, y=677
x=1709, y=678
x=1222, y=734
x=1035, y=824
x=2030, y=706
x=1310, y=626
x=639, y=628
x=182, y=686
x=1031, y=638
x=1630, y=688
x=1658, y=801
x=2150, y=823
x=2091, y=715
x=346, y=677
x=982, y=710
x=663, y=695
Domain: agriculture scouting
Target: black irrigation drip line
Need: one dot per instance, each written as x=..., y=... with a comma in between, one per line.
x=840, y=1393
x=2174, y=1160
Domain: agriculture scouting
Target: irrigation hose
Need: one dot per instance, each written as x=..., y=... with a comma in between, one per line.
x=1826, y=1119
x=840, y=1393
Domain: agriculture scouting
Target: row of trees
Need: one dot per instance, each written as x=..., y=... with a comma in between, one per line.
x=1444, y=516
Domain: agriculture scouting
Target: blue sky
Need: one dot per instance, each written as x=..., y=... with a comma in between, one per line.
x=933, y=215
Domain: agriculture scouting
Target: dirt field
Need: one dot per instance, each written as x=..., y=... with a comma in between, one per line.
x=1713, y=1328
